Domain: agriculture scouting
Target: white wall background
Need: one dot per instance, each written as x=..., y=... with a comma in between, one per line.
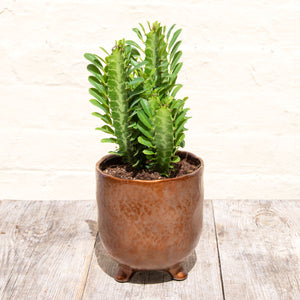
x=241, y=72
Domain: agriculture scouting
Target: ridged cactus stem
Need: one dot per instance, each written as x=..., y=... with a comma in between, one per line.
x=118, y=100
x=151, y=53
x=163, y=139
x=156, y=56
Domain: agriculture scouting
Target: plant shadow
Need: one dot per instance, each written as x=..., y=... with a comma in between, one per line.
x=110, y=266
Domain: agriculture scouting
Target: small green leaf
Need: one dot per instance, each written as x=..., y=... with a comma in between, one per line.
x=162, y=49
x=175, y=91
x=175, y=159
x=176, y=59
x=136, y=163
x=104, y=61
x=136, y=81
x=168, y=100
x=169, y=32
x=152, y=72
x=104, y=50
x=106, y=129
x=142, y=28
x=132, y=43
x=176, y=70
x=146, y=107
x=144, y=131
x=100, y=105
x=93, y=59
x=180, y=139
x=145, y=142
x=104, y=118
x=93, y=69
x=135, y=93
x=136, y=67
x=95, y=93
x=180, y=117
x=144, y=119
x=135, y=52
x=174, y=38
x=101, y=78
x=133, y=105
x=138, y=33
x=175, y=48
x=132, y=125
x=127, y=50
x=177, y=105
x=115, y=153
x=97, y=84
x=109, y=140
x=148, y=152
x=137, y=152
x=132, y=115
x=165, y=64
x=180, y=128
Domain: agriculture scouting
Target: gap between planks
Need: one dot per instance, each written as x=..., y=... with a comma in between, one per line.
x=218, y=250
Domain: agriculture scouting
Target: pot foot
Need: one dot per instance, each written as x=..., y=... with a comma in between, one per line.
x=123, y=274
x=178, y=272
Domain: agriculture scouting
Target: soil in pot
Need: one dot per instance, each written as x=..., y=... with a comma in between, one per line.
x=117, y=168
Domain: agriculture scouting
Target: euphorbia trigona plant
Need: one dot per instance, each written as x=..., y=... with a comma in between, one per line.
x=135, y=88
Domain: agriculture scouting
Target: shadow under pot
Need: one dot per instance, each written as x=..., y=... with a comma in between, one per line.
x=150, y=224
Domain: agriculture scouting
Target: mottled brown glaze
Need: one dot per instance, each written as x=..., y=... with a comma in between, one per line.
x=150, y=224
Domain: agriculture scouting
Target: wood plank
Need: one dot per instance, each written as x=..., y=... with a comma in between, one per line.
x=45, y=248
x=203, y=281
x=259, y=244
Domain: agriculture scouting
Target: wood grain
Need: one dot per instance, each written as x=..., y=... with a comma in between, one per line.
x=203, y=281
x=259, y=244
x=45, y=248
x=47, y=252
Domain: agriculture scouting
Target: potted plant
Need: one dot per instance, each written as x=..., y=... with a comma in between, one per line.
x=149, y=194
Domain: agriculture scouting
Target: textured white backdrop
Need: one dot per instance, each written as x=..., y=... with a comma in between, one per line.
x=241, y=72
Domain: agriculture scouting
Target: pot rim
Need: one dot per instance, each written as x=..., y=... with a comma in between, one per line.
x=109, y=156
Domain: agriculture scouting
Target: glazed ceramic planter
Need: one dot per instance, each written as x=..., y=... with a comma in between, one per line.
x=150, y=224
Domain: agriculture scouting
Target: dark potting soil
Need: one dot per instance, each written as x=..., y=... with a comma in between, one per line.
x=117, y=168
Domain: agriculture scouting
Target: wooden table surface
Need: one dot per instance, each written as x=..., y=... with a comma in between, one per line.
x=248, y=250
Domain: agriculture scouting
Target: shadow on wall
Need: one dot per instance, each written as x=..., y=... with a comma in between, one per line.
x=110, y=266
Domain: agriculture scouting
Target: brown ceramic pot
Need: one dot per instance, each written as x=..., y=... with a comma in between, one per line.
x=150, y=224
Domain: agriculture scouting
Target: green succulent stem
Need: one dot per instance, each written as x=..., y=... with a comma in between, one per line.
x=163, y=139
x=118, y=100
x=156, y=55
